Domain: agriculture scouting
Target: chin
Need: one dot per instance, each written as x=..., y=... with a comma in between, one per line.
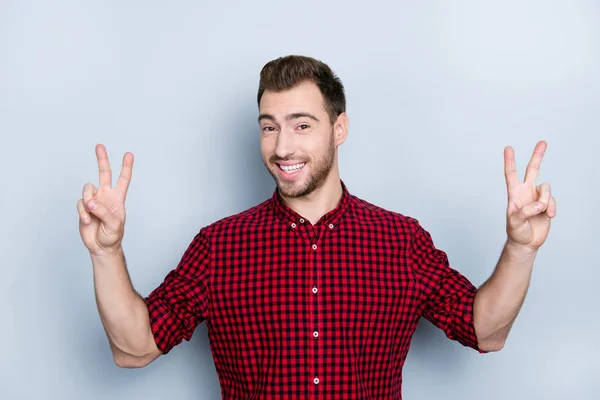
x=292, y=189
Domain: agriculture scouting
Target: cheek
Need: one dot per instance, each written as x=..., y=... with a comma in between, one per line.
x=316, y=147
x=267, y=147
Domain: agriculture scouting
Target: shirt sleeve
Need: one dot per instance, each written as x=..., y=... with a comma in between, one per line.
x=448, y=296
x=181, y=301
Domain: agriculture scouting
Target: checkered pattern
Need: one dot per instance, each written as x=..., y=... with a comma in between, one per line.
x=324, y=311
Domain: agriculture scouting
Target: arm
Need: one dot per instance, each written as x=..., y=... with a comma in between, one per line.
x=529, y=212
x=101, y=225
x=123, y=312
x=500, y=298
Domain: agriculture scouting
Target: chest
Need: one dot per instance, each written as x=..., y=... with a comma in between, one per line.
x=282, y=275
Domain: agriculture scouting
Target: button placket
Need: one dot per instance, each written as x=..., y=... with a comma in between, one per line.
x=317, y=232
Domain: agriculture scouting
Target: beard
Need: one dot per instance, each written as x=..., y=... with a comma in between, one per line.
x=320, y=166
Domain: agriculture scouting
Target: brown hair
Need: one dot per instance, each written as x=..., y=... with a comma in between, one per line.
x=287, y=72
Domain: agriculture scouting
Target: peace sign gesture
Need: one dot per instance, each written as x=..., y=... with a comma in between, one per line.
x=530, y=207
x=102, y=209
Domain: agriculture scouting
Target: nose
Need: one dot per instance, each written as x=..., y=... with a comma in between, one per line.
x=285, y=144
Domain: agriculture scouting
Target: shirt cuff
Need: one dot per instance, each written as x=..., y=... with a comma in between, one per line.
x=463, y=324
x=163, y=324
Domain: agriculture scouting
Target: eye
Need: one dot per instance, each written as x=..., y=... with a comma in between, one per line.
x=268, y=129
x=303, y=126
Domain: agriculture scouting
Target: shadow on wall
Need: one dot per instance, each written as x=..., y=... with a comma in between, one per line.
x=433, y=351
x=255, y=184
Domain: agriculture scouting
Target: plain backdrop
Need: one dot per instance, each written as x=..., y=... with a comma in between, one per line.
x=435, y=92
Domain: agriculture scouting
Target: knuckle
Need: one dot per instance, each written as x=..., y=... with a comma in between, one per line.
x=528, y=211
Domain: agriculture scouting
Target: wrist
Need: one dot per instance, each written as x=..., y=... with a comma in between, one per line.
x=107, y=254
x=520, y=250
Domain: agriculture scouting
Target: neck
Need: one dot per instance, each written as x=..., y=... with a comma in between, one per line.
x=320, y=201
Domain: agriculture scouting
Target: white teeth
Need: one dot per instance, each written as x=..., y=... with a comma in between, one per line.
x=291, y=168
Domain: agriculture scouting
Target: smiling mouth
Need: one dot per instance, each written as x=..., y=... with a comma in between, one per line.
x=291, y=168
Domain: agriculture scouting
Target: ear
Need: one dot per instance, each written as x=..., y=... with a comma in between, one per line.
x=340, y=129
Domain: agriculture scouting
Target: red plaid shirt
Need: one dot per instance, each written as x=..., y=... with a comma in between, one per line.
x=323, y=311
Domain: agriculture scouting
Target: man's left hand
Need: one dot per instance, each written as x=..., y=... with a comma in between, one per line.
x=530, y=207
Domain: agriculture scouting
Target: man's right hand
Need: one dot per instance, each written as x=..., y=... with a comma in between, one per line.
x=102, y=209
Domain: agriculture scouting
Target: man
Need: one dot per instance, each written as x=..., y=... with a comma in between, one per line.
x=314, y=292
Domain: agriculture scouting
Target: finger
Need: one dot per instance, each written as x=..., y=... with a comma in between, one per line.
x=530, y=210
x=126, y=171
x=545, y=194
x=534, y=164
x=551, y=210
x=103, y=166
x=89, y=191
x=103, y=213
x=510, y=170
x=84, y=217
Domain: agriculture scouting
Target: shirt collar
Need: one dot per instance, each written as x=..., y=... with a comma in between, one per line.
x=332, y=217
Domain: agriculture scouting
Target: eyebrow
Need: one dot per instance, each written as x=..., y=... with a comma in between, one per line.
x=288, y=117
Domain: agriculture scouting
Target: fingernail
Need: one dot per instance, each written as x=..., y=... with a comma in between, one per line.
x=92, y=204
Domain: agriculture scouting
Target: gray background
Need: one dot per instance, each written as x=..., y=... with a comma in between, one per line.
x=435, y=91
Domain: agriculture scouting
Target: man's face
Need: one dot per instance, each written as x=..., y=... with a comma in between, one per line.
x=297, y=139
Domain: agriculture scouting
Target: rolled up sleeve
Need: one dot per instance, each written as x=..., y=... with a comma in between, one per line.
x=181, y=301
x=447, y=296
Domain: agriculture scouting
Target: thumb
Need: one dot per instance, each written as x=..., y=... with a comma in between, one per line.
x=103, y=214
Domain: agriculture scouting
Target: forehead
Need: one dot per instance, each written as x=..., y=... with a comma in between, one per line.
x=306, y=97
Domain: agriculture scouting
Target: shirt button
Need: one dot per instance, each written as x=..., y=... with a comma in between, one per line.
x=315, y=290
x=330, y=226
x=316, y=380
x=316, y=334
x=293, y=225
x=314, y=246
x=301, y=220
